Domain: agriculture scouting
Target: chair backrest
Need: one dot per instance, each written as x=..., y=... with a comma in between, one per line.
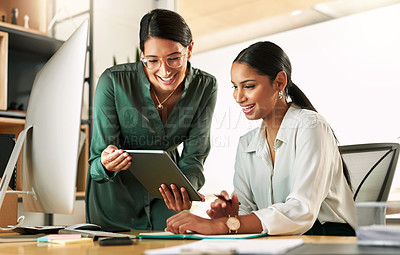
x=371, y=168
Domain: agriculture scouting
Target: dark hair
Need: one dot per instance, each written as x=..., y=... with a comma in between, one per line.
x=267, y=58
x=164, y=24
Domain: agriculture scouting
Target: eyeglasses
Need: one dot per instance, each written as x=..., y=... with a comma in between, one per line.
x=173, y=61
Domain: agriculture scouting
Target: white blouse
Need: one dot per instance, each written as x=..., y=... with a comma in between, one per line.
x=306, y=183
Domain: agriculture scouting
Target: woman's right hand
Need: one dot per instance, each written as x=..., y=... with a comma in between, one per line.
x=224, y=206
x=115, y=160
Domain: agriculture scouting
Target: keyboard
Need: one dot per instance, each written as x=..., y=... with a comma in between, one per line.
x=95, y=233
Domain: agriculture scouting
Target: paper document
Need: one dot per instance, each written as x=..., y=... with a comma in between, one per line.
x=258, y=246
x=379, y=235
x=169, y=235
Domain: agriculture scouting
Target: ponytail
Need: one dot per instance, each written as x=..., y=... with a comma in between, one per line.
x=298, y=97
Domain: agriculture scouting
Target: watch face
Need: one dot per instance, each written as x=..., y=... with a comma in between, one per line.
x=233, y=223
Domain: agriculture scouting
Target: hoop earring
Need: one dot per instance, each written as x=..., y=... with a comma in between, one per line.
x=280, y=95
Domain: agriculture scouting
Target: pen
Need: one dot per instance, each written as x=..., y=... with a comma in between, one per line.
x=223, y=198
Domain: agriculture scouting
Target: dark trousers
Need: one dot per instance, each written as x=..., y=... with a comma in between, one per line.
x=331, y=229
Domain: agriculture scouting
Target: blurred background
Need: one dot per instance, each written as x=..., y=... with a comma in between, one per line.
x=345, y=57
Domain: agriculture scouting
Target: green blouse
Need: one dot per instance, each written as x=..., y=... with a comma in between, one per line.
x=125, y=115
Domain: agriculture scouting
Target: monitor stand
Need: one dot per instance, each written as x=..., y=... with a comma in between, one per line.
x=5, y=180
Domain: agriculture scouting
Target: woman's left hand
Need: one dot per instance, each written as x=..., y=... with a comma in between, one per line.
x=184, y=221
x=178, y=199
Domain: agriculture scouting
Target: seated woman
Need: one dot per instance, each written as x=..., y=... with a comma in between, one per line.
x=289, y=176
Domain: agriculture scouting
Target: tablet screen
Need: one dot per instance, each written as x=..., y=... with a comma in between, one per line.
x=155, y=167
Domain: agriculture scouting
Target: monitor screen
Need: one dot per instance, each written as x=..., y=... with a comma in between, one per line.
x=51, y=147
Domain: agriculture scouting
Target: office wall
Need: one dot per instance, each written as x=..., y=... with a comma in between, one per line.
x=349, y=69
x=115, y=29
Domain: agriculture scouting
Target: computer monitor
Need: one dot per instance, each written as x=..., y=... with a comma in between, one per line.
x=52, y=128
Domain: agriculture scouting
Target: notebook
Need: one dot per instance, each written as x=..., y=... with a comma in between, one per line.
x=169, y=235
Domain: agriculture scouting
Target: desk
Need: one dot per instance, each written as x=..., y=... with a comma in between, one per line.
x=313, y=245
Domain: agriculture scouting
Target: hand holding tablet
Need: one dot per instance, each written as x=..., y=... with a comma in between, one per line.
x=175, y=198
x=154, y=168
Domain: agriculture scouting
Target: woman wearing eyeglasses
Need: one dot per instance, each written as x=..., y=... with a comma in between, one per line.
x=155, y=104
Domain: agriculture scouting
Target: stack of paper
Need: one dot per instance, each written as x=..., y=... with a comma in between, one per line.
x=245, y=246
x=379, y=235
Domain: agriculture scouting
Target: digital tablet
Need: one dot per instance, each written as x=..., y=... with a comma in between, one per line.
x=155, y=167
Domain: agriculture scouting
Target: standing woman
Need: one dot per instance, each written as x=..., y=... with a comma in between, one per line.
x=289, y=176
x=157, y=104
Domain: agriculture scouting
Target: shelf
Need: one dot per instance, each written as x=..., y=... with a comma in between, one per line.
x=28, y=40
x=38, y=11
x=80, y=195
x=16, y=27
x=27, y=53
x=13, y=114
x=19, y=117
x=11, y=121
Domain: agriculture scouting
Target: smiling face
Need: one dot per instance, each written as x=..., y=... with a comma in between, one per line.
x=165, y=77
x=255, y=93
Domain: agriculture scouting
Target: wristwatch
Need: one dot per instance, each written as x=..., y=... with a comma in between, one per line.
x=233, y=224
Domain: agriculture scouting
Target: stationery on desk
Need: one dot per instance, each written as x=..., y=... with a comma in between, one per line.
x=65, y=239
x=169, y=235
x=246, y=246
x=95, y=233
x=41, y=238
x=49, y=238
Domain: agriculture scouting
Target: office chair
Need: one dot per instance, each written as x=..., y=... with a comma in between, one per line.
x=371, y=168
